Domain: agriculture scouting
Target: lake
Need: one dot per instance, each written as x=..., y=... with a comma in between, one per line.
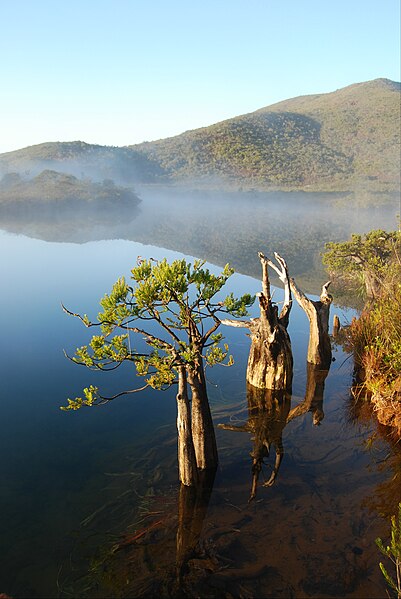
x=90, y=505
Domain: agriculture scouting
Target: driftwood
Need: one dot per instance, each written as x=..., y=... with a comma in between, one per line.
x=270, y=363
x=270, y=367
x=319, y=348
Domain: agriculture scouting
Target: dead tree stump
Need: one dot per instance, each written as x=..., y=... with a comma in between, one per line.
x=270, y=363
x=318, y=312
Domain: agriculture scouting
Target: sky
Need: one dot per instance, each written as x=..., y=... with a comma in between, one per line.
x=119, y=72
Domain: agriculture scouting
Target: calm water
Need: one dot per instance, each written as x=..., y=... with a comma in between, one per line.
x=89, y=501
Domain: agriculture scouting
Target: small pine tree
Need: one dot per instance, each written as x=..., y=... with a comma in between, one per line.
x=180, y=299
x=393, y=552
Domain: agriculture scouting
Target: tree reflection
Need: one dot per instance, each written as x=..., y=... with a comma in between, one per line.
x=268, y=414
x=314, y=393
x=193, y=503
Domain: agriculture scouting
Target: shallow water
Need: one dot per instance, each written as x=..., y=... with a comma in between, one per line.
x=89, y=502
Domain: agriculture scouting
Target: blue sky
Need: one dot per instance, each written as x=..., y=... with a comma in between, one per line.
x=119, y=72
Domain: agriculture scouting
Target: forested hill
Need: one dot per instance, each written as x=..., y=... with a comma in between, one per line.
x=334, y=140
x=342, y=140
x=50, y=188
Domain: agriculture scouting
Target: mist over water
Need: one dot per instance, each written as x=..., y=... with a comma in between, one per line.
x=75, y=484
x=222, y=226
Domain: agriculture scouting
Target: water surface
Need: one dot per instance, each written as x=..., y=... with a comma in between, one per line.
x=90, y=505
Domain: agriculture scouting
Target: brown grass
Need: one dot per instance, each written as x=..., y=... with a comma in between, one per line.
x=376, y=342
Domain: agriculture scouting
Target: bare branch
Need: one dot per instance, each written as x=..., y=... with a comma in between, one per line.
x=324, y=296
x=265, y=276
x=247, y=324
x=246, y=428
x=282, y=273
x=87, y=323
x=107, y=399
x=302, y=299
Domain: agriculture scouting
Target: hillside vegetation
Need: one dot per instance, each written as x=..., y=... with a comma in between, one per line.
x=375, y=337
x=345, y=140
x=51, y=187
x=337, y=140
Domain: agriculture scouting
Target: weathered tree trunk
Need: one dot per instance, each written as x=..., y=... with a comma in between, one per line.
x=202, y=424
x=270, y=363
x=373, y=285
x=314, y=395
x=187, y=469
x=336, y=325
x=319, y=347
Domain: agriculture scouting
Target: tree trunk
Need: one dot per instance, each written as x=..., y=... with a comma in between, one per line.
x=202, y=424
x=372, y=284
x=336, y=326
x=319, y=347
x=270, y=363
x=188, y=473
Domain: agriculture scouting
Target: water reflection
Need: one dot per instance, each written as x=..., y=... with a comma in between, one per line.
x=268, y=414
x=316, y=508
x=313, y=401
x=191, y=222
x=386, y=451
x=192, y=508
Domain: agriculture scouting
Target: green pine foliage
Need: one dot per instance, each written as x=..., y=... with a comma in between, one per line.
x=363, y=255
x=393, y=553
x=183, y=302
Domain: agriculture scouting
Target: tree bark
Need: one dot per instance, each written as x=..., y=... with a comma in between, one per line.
x=336, y=326
x=202, y=424
x=319, y=347
x=188, y=473
x=270, y=363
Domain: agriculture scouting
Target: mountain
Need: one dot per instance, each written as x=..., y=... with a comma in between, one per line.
x=124, y=165
x=334, y=140
x=342, y=140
